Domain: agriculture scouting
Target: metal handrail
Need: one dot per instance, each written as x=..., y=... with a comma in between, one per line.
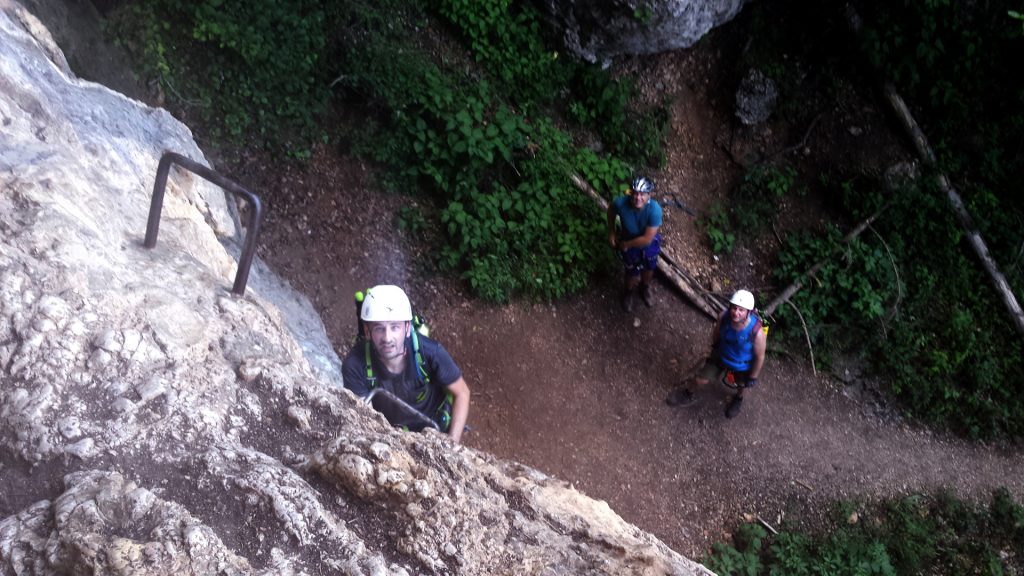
x=255, y=218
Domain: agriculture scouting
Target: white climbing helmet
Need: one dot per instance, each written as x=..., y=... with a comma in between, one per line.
x=386, y=303
x=643, y=185
x=743, y=299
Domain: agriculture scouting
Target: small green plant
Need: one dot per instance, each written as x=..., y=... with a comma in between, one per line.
x=643, y=14
x=912, y=535
x=755, y=202
x=718, y=229
x=253, y=69
x=751, y=207
x=743, y=559
x=410, y=220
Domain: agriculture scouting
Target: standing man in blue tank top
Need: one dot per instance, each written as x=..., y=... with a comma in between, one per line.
x=637, y=239
x=738, y=342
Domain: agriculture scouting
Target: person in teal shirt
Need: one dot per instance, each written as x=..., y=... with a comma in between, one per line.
x=637, y=239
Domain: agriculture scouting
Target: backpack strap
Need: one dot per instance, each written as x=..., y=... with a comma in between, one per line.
x=369, y=365
x=420, y=370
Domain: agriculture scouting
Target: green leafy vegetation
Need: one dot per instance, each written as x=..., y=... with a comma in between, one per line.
x=249, y=69
x=913, y=535
x=603, y=105
x=751, y=207
x=908, y=293
x=512, y=219
x=507, y=39
x=719, y=229
x=481, y=139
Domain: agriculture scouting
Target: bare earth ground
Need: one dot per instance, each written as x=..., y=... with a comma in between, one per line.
x=576, y=388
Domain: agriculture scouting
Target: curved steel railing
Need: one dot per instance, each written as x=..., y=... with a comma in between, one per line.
x=255, y=218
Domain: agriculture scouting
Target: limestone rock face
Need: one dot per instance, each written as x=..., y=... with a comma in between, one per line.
x=598, y=31
x=153, y=423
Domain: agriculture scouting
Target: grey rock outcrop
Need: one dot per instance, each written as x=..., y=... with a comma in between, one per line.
x=755, y=98
x=153, y=423
x=598, y=31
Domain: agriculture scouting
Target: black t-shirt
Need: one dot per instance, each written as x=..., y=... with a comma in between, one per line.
x=408, y=386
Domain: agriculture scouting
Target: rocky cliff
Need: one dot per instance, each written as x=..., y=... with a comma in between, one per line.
x=151, y=422
x=600, y=30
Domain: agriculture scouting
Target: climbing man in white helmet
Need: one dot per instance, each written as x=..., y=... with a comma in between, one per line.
x=413, y=367
x=738, y=342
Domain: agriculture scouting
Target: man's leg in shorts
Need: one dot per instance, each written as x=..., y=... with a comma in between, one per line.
x=710, y=371
x=650, y=264
x=683, y=396
x=632, y=264
x=733, y=407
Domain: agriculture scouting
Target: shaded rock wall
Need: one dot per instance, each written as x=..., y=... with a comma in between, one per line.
x=600, y=30
x=151, y=422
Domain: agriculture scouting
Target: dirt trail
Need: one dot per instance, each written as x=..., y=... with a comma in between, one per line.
x=577, y=392
x=577, y=389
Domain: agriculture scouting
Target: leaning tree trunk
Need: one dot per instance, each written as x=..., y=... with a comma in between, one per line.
x=924, y=151
x=974, y=238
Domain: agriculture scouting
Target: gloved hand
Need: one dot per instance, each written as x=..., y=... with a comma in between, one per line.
x=751, y=382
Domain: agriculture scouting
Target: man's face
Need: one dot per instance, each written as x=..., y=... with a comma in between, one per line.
x=738, y=314
x=388, y=338
x=639, y=199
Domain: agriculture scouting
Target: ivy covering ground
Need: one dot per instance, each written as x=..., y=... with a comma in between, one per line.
x=914, y=535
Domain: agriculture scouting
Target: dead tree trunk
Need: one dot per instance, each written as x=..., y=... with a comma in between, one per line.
x=974, y=238
x=669, y=266
x=792, y=289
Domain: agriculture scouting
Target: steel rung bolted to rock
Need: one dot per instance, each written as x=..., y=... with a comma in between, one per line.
x=255, y=217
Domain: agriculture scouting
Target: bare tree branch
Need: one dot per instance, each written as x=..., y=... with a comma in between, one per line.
x=807, y=335
x=793, y=288
x=924, y=151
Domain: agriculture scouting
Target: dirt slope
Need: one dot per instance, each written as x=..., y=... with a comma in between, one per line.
x=576, y=389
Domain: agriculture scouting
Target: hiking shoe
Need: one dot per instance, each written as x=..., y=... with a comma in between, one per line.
x=645, y=295
x=681, y=397
x=734, y=407
x=628, y=297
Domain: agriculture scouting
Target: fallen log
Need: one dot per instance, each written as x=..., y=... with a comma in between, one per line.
x=977, y=243
x=670, y=267
x=924, y=151
x=793, y=288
